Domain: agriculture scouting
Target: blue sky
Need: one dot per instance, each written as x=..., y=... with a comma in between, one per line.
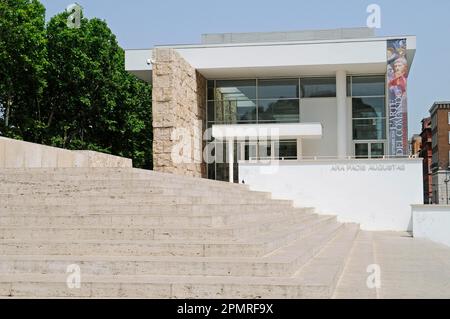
x=145, y=23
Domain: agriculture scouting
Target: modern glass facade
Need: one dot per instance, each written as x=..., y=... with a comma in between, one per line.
x=368, y=115
x=259, y=101
x=263, y=100
x=253, y=101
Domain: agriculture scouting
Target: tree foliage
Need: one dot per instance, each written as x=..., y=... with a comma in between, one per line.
x=84, y=98
x=22, y=66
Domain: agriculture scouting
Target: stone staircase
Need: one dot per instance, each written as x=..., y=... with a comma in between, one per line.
x=143, y=234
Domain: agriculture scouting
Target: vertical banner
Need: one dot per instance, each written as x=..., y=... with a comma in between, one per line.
x=397, y=75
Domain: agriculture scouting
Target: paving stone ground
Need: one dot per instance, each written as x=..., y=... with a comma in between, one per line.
x=409, y=267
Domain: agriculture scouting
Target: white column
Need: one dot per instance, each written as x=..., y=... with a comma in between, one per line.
x=341, y=95
x=231, y=159
x=299, y=149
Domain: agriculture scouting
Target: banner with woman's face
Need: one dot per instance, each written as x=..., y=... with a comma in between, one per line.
x=397, y=77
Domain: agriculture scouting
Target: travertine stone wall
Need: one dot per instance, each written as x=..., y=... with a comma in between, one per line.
x=179, y=113
x=20, y=154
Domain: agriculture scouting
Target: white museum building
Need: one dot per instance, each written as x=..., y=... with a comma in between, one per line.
x=317, y=117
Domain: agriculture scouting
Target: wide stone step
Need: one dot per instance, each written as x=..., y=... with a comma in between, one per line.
x=124, y=183
x=116, y=186
x=87, y=190
x=127, y=185
x=132, y=199
x=279, y=263
x=325, y=269
x=141, y=232
x=255, y=246
x=155, y=287
x=146, y=209
x=138, y=233
x=64, y=176
x=311, y=282
x=134, y=220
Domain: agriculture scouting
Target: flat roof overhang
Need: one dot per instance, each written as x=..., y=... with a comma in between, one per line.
x=267, y=131
x=304, y=58
x=139, y=63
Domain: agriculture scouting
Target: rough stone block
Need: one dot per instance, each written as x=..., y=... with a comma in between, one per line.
x=178, y=102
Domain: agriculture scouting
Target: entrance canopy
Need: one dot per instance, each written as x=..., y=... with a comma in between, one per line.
x=267, y=131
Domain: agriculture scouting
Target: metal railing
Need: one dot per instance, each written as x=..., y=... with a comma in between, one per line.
x=318, y=158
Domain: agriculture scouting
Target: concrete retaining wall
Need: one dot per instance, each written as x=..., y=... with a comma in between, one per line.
x=432, y=222
x=20, y=154
x=376, y=193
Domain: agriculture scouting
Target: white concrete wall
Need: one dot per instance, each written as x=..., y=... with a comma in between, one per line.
x=432, y=222
x=289, y=54
x=324, y=111
x=20, y=154
x=377, y=194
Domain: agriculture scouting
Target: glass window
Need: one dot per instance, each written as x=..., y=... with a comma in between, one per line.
x=208, y=133
x=210, y=90
x=250, y=150
x=240, y=101
x=318, y=87
x=369, y=107
x=264, y=150
x=448, y=118
x=279, y=111
x=237, y=111
x=212, y=171
x=369, y=150
x=368, y=85
x=222, y=172
x=287, y=149
x=211, y=111
x=376, y=150
x=235, y=90
x=362, y=150
x=448, y=137
x=349, y=86
x=278, y=89
x=369, y=129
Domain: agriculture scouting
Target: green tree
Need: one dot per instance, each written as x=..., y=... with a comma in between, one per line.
x=22, y=67
x=68, y=87
x=92, y=102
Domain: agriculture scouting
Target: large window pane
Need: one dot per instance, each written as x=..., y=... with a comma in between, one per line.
x=368, y=85
x=212, y=171
x=222, y=172
x=318, y=87
x=287, y=149
x=278, y=89
x=211, y=111
x=264, y=150
x=235, y=90
x=208, y=135
x=210, y=90
x=279, y=111
x=349, y=86
x=237, y=111
x=250, y=150
x=377, y=150
x=369, y=129
x=369, y=107
x=362, y=150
